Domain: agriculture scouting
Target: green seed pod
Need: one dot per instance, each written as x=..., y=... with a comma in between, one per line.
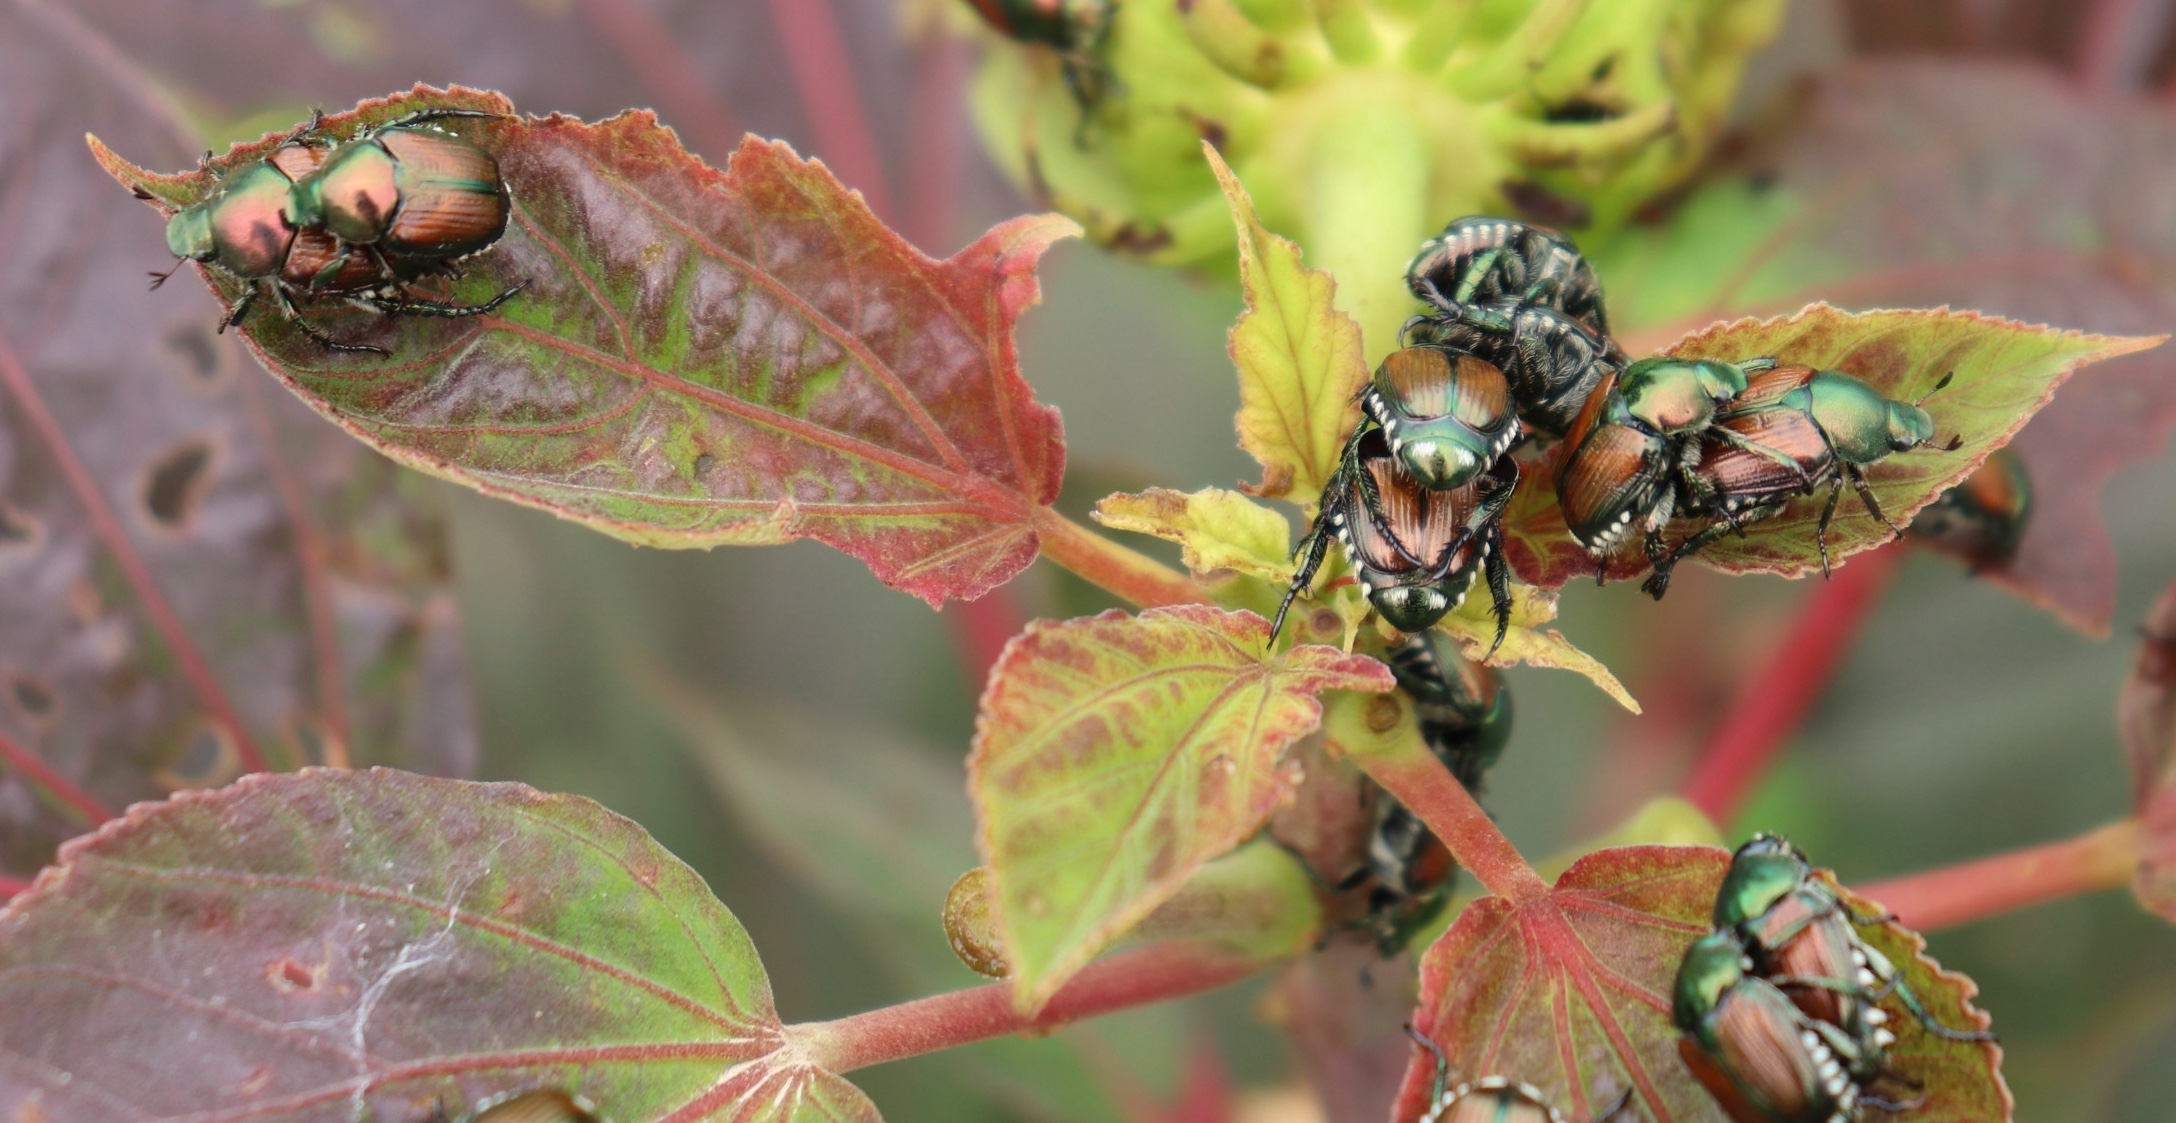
x=1361, y=128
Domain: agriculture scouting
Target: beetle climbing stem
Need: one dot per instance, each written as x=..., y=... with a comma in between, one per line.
x=1408, y=771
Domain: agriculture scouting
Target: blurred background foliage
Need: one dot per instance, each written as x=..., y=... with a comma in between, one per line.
x=1964, y=721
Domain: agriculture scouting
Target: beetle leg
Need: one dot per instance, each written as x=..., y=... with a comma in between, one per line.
x=1866, y=495
x=423, y=116
x=408, y=307
x=1893, y=1107
x=1499, y=583
x=320, y=338
x=1443, y=1063
x=1434, y=297
x=1820, y=533
x=241, y=309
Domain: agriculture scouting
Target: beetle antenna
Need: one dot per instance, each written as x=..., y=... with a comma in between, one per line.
x=1938, y=386
x=158, y=278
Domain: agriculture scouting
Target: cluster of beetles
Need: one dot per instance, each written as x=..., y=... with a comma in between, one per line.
x=1779, y=1006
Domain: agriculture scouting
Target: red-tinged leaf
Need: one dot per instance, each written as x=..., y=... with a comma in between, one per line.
x=2008, y=189
x=2146, y=720
x=195, y=573
x=701, y=357
x=2001, y=374
x=1571, y=992
x=1114, y=755
x=341, y=945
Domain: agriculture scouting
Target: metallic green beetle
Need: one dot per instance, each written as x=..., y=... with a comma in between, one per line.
x=1757, y=1053
x=1480, y=266
x=406, y=190
x=1492, y=1099
x=1447, y=413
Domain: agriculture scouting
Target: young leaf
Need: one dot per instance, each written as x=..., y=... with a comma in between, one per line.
x=2146, y=720
x=197, y=576
x=700, y=357
x=1217, y=529
x=1571, y=992
x=1474, y=623
x=1299, y=358
x=371, y=944
x=1114, y=755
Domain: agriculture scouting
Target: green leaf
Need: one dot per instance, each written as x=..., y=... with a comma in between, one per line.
x=1570, y=992
x=367, y=944
x=1474, y=625
x=700, y=358
x=1299, y=358
x=1115, y=755
x=1216, y=529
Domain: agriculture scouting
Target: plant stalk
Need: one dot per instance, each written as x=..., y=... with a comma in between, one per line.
x=1127, y=574
x=2105, y=858
x=1774, y=704
x=947, y=1021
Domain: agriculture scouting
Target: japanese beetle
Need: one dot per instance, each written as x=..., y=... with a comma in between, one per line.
x=1801, y=936
x=1447, y=415
x=537, y=1105
x=1756, y=1052
x=1479, y=265
x=1982, y=519
x=1416, y=552
x=1462, y=708
x=1075, y=29
x=1792, y=430
x=406, y=190
x=1554, y=363
x=1628, y=450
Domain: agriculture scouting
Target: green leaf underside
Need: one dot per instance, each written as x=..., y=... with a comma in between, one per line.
x=2003, y=372
x=334, y=945
x=1114, y=755
x=307, y=579
x=1300, y=360
x=1216, y=529
x=702, y=357
x=1571, y=992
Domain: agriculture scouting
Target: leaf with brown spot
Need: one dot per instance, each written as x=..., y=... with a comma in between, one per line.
x=701, y=357
x=1571, y=992
x=341, y=945
x=1115, y=755
x=195, y=572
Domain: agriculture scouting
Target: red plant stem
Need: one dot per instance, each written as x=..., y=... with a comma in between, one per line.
x=1158, y=973
x=2105, y=858
x=824, y=75
x=12, y=887
x=108, y=527
x=690, y=105
x=1428, y=789
x=1772, y=706
x=1126, y=574
x=56, y=785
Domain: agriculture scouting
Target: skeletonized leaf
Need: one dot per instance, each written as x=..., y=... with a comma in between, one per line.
x=2146, y=720
x=340, y=945
x=193, y=568
x=1114, y=755
x=701, y=357
x=1571, y=992
x=1299, y=358
x=1217, y=529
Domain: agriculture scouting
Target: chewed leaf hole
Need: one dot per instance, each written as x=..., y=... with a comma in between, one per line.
x=20, y=535
x=208, y=760
x=290, y=977
x=33, y=697
x=177, y=482
x=197, y=350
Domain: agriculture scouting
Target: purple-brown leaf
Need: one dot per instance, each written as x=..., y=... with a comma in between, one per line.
x=340, y=945
x=701, y=357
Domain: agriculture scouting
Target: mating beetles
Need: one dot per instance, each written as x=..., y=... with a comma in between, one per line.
x=1757, y=1053
x=1479, y=265
x=1982, y=519
x=1447, y=415
x=1792, y=430
x=1801, y=936
x=405, y=189
x=1627, y=452
x=1414, y=551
